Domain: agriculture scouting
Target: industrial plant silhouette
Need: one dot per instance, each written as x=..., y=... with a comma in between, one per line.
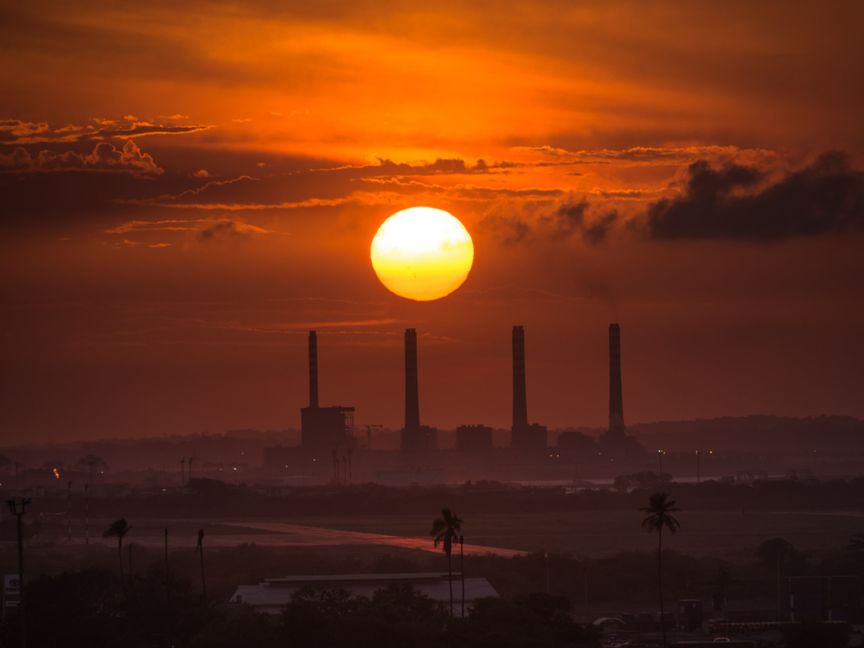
x=328, y=432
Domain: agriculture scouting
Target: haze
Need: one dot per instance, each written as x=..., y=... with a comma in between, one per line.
x=185, y=194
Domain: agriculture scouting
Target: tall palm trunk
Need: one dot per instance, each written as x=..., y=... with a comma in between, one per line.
x=462, y=570
x=660, y=582
x=450, y=579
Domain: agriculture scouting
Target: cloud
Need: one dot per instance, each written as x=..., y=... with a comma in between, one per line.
x=105, y=157
x=229, y=229
x=336, y=186
x=205, y=229
x=14, y=132
x=539, y=222
x=650, y=154
x=734, y=202
x=142, y=244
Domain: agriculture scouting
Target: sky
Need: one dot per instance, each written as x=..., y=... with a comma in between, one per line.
x=187, y=188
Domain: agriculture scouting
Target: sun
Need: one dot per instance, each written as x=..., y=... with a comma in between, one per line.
x=422, y=253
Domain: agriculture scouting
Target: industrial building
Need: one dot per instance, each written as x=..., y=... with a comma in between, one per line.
x=329, y=452
x=415, y=437
x=473, y=438
x=615, y=442
x=324, y=428
x=326, y=436
x=525, y=437
x=274, y=594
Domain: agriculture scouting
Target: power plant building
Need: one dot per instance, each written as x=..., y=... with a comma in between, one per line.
x=527, y=437
x=323, y=428
x=415, y=437
x=473, y=438
x=615, y=441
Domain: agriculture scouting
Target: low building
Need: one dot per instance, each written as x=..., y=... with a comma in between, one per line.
x=531, y=437
x=473, y=438
x=274, y=594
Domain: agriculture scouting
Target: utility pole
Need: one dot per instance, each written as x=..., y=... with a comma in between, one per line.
x=698, y=468
x=69, y=512
x=200, y=549
x=86, y=514
x=166, y=557
x=18, y=508
x=548, y=574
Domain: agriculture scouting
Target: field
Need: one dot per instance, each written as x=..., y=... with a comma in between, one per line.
x=722, y=534
x=728, y=535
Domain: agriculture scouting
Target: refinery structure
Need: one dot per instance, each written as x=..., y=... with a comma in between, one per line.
x=331, y=451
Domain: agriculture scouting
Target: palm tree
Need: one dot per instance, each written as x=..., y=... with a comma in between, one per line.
x=659, y=516
x=118, y=529
x=200, y=549
x=445, y=530
x=462, y=569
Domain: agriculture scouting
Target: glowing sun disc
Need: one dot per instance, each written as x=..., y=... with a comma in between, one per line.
x=422, y=253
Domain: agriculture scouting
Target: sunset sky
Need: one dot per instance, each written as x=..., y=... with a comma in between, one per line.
x=188, y=187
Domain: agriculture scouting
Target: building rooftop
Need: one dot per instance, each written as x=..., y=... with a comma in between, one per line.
x=274, y=594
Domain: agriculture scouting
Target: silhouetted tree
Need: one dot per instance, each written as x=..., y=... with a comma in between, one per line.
x=658, y=517
x=118, y=529
x=445, y=530
x=775, y=551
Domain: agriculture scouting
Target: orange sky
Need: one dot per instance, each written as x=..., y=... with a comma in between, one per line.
x=188, y=188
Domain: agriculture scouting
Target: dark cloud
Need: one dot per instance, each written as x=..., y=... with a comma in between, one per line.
x=324, y=185
x=15, y=132
x=539, y=222
x=730, y=202
x=105, y=157
x=229, y=229
x=650, y=154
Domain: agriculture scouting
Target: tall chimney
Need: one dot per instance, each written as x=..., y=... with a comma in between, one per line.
x=313, y=369
x=616, y=400
x=412, y=401
x=520, y=404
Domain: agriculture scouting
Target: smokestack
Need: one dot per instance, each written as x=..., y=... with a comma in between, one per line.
x=616, y=400
x=313, y=369
x=412, y=404
x=520, y=404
